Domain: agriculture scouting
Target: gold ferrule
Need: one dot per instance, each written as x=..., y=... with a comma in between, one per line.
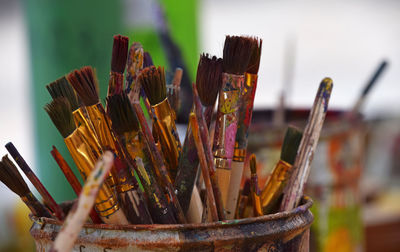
x=80, y=146
x=123, y=186
x=239, y=154
x=275, y=183
x=250, y=83
x=168, y=134
x=257, y=205
x=222, y=163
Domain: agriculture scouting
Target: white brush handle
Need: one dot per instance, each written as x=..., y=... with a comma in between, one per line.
x=234, y=186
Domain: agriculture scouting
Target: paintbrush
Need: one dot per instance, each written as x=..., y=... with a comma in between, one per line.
x=11, y=177
x=203, y=128
x=159, y=165
x=243, y=200
x=208, y=83
x=152, y=80
x=203, y=164
x=245, y=114
x=72, y=180
x=272, y=191
x=85, y=83
x=294, y=189
x=85, y=155
x=77, y=216
x=173, y=90
x=126, y=126
x=118, y=63
x=49, y=201
x=236, y=56
x=255, y=190
x=134, y=66
x=130, y=197
x=367, y=88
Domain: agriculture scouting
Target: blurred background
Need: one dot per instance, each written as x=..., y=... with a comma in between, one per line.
x=303, y=41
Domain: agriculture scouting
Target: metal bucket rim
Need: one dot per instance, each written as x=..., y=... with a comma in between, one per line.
x=307, y=202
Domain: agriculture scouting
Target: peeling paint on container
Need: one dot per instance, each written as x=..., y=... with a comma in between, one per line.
x=285, y=231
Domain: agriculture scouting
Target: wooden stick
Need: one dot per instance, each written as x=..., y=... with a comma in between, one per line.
x=195, y=210
x=73, y=181
x=35, y=181
x=203, y=165
x=76, y=218
x=301, y=168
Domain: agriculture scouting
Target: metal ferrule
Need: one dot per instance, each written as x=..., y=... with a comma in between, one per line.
x=115, y=84
x=85, y=155
x=245, y=114
x=168, y=134
x=275, y=184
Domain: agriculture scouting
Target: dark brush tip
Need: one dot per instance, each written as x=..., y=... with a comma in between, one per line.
x=119, y=53
x=62, y=88
x=291, y=144
x=253, y=164
x=85, y=83
x=11, y=177
x=237, y=53
x=254, y=63
x=60, y=113
x=152, y=80
x=147, y=60
x=122, y=116
x=209, y=79
x=246, y=188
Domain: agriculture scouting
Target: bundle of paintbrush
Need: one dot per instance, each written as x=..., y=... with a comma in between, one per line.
x=153, y=179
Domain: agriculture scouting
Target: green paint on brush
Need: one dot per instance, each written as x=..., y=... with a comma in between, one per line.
x=291, y=144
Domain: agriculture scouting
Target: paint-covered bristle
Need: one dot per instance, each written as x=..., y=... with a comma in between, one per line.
x=237, y=53
x=11, y=177
x=253, y=164
x=254, y=63
x=119, y=53
x=60, y=113
x=209, y=79
x=85, y=83
x=61, y=88
x=121, y=113
x=291, y=144
x=147, y=60
x=152, y=80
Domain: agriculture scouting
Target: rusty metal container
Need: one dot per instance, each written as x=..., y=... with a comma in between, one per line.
x=286, y=231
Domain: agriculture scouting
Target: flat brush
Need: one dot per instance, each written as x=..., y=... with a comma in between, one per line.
x=130, y=197
x=126, y=126
x=118, y=63
x=208, y=83
x=77, y=216
x=274, y=188
x=10, y=177
x=134, y=67
x=85, y=155
x=236, y=56
x=72, y=180
x=294, y=189
x=255, y=190
x=244, y=120
x=153, y=81
x=35, y=181
x=159, y=165
x=85, y=83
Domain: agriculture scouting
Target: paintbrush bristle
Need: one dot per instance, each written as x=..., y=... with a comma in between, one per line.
x=11, y=177
x=147, y=60
x=253, y=164
x=122, y=116
x=291, y=144
x=61, y=88
x=209, y=79
x=237, y=53
x=152, y=80
x=119, y=53
x=85, y=83
x=60, y=113
x=254, y=63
